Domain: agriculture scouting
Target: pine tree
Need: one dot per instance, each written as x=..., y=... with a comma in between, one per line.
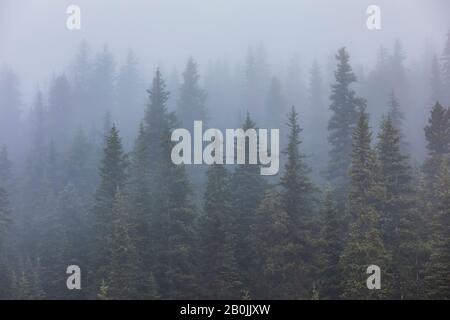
x=437, y=134
x=364, y=246
x=140, y=195
x=344, y=105
x=191, y=103
x=173, y=229
x=277, y=273
x=80, y=167
x=113, y=176
x=157, y=122
x=397, y=117
x=248, y=188
x=437, y=277
x=399, y=218
x=219, y=273
x=123, y=270
x=331, y=237
x=297, y=196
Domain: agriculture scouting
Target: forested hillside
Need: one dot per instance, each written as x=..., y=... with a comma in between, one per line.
x=86, y=179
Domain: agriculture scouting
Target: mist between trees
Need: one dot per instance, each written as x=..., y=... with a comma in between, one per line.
x=87, y=179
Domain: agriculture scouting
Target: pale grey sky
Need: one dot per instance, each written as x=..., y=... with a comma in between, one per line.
x=35, y=42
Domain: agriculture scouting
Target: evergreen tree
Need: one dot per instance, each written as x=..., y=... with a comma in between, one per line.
x=248, y=188
x=113, y=176
x=277, y=274
x=218, y=266
x=297, y=196
x=397, y=117
x=157, y=121
x=437, y=277
x=437, y=134
x=364, y=246
x=191, y=103
x=140, y=195
x=172, y=228
x=80, y=166
x=344, y=105
x=332, y=244
x=124, y=266
x=399, y=218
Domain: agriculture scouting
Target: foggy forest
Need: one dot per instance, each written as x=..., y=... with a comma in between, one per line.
x=86, y=177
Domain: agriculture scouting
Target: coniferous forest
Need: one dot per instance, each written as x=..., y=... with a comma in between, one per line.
x=87, y=180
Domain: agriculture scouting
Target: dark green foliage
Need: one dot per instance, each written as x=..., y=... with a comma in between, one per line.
x=123, y=277
x=219, y=273
x=345, y=106
x=437, y=278
x=331, y=248
x=248, y=188
x=297, y=198
x=364, y=245
x=173, y=229
x=113, y=177
x=399, y=218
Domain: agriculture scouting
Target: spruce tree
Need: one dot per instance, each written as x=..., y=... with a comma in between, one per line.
x=344, y=107
x=437, y=277
x=157, y=121
x=331, y=248
x=298, y=199
x=173, y=229
x=123, y=270
x=437, y=134
x=113, y=176
x=399, y=218
x=140, y=195
x=277, y=274
x=218, y=266
x=364, y=245
x=248, y=188
x=191, y=103
x=396, y=116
